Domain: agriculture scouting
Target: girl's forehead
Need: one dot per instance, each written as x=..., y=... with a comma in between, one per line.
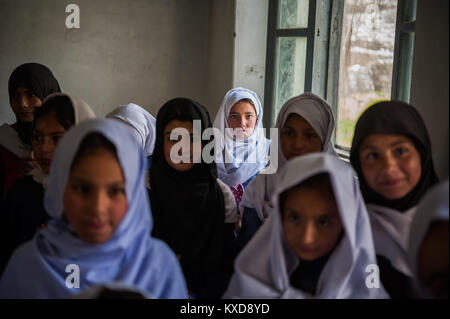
x=96, y=165
x=384, y=139
x=22, y=89
x=303, y=194
x=243, y=106
x=295, y=119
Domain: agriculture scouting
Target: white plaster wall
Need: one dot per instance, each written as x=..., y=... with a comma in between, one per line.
x=144, y=51
x=250, y=45
x=430, y=74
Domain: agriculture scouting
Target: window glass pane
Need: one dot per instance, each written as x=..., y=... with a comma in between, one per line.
x=293, y=14
x=289, y=69
x=366, y=60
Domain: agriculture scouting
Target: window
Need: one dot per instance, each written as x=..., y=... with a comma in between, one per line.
x=290, y=44
x=363, y=54
x=366, y=61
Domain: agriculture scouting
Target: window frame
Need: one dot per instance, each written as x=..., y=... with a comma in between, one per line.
x=403, y=52
x=273, y=33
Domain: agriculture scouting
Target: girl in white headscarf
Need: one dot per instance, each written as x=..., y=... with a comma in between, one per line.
x=245, y=147
x=317, y=243
x=101, y=223
x=306, y=124
x=142, y=122
x=429, y=245
x=22, y=207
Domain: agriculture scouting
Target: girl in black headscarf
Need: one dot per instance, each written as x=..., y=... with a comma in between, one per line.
x=193, y=211
x=29, y=84
x=391, y=153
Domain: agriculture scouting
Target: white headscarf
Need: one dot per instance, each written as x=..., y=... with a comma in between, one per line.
x=263, y=268
x=255, y=147
x=81, y=109
x=9, y=139
x=318, y=113
x=433, y=207
x=391, y=230
x=143, y=122
x=82, y=112
x=38, y=269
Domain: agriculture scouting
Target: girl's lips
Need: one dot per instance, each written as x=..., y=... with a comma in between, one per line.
x=391, y=182
x=26, y=115
x=308, y=250
x=95, y=225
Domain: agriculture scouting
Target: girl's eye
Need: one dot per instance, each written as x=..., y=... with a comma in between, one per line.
x=249, y=116
x=56, y=139
x=292, y=218
x=36, y=138
x=324, y=222
x=81, y=189
x=310, y=136
x=400, y=151
x=371, y=156
x=288, y=133
x=116, y=191
x=234, y=117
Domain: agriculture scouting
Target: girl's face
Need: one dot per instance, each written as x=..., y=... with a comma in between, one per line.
x=390, y=164
x=46, y=134
x=23, y=103
x=311, y=223
x=243, y=118
x=298, y=137
x=94, y=200
x=182, y=147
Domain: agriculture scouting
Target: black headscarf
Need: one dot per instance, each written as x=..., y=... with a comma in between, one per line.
x=188, y=207
x=37, y=78
x=393, y=117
